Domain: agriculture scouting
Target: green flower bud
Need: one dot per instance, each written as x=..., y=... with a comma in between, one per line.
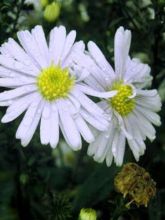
x=52, y=12
x=44, y=3
x=87, y=214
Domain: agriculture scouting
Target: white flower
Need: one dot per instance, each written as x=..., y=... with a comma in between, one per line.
x=46, y=82
x=131, y=112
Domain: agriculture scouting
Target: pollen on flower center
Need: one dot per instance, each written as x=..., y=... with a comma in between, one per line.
x=122, y=102
x=54, y=82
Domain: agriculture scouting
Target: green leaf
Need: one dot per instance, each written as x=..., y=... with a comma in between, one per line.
x=97, y=187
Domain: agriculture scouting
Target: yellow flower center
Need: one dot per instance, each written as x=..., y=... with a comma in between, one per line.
x=54, y=82
x=122, y=102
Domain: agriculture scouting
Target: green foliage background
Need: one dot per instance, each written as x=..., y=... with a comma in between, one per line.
x=38, y=183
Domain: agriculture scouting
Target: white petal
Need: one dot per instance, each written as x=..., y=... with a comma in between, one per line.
x=145, y=125
x=54, y=124
x=149, y=93
x=93, y=83
x=27, y=121
x=12, y=83
x=14, y=93
x=40, y=40
x=86, y=102
x=122, y=45
x=84, y=129
x=14, y=65
x=102, y=142
x=33, y=126
x=79, y=46
x=150, y=115
x=57, y=41
x=137, y=73
x=5, y=72
x=99, y=123
x=79, y=121
x=90, y=91
x=28, y=42
x=45, y=127
x=120, y=149
x=135, y=149
x=19, y=54
x=68, y=126
x=132, y=127
x=94, y=146
x=100, y=58
x=153, y=103
x=6, y=103
x=68, y=44
x=17, y=108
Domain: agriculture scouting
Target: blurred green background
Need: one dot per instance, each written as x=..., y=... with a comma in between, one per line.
x=38, y=183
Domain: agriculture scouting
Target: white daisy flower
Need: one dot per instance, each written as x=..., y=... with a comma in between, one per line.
x=46, y=82
x=131, y=111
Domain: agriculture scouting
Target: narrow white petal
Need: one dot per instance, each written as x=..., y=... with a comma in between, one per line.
x=17, y=108
x=33, y=126
x=12, y=83
x=145, y=125
x=122, y=45
x=54, y=124
x=6, y=103
x=28, y=42
x=120, y=149
x=84, y=129
x=132, y=127
x=89, y=91
x=93, y=146
x=57, y=41
x=115, y=142
x=137, y=73
x=14, y=93
x=12, y=64
x=100, y=58
x=45, y=124
x=40, y=40
x=68, y=126
x=20, y=55
x=135, y=149
x=99, y=123
x=150, y=115
x=5, y=72
x=109, y=154
x=102, y=142
x=68, y=44
x=149, y=93
x=93, y=83
x=79, y=46
x=153, y=103
x=86, y=102
x=30, y=114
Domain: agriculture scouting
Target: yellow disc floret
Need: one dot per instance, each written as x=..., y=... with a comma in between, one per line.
x=122, y=102
x=54, y=82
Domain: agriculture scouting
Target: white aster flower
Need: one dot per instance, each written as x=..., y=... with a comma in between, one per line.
x=131, y=111
x=46, y=82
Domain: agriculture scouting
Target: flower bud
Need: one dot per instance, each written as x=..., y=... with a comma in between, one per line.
x=87, y=214
x=52, y=12
x=44, y=3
